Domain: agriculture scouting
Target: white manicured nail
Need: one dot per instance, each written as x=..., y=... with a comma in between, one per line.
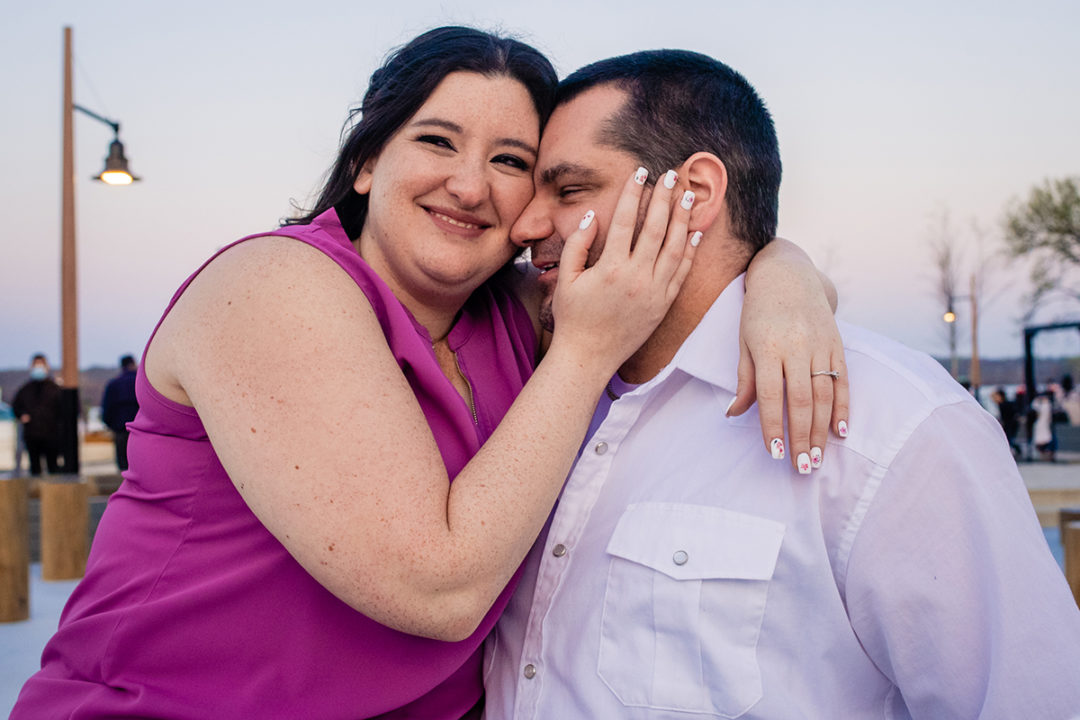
x=815, y=457
x=641, y=176
x=776, y=447
x=587, y=220
x=728, y=408
x=841, y=429
x=803, y=463
x=687, y=200
x=695, y=239
x=670, y=179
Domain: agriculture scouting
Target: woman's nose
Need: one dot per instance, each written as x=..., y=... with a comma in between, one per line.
x=468, y=183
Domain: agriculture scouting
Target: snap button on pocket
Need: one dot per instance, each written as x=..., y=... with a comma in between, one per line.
x=530, y=671
x=680, y=557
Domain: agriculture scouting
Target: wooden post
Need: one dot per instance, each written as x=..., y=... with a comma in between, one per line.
x=1071, y=543
x=1065, y=516
x=64, y=526
x=14, y=551
x=976, y=370
x=69, y=297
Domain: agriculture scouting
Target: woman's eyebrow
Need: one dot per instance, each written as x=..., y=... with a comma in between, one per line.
x=438, y=122
x=455, y=128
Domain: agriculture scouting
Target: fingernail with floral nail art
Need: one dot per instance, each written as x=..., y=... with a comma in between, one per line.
x=815, y=457
x=687, y=200
x=587, y=220
x=670, y=179
x=841, y=428
x=803, y=463
x=776, y=447
x=641, y=176
x=695, y=239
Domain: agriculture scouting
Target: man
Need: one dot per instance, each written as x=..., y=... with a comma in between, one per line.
x=37, y=406
x=119, y=407
x=685, y=574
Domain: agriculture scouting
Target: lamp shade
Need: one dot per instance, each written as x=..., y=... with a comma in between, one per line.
x=116, y=167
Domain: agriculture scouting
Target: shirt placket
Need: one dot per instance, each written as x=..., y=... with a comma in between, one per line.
x=579, y=496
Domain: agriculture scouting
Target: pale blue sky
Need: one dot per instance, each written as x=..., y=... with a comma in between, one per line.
x=886, y=116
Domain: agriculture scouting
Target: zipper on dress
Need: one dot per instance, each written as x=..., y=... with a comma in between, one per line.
x=472, y=393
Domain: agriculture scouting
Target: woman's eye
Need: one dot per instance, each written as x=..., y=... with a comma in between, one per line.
x=436, y=140
x=512, y=160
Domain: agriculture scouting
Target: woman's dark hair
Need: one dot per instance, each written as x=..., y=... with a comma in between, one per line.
x=404, y=83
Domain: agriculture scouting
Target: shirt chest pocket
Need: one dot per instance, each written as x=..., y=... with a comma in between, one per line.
x=683, y=607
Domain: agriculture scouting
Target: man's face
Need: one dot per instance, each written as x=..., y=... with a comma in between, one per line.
x=574, y=173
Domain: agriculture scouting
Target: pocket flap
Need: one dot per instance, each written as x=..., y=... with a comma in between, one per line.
x=697, y=542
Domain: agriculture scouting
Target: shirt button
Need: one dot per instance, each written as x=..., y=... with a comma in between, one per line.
x=530, y=671
x=680, y=557
x=601, y=448
x=559, y=550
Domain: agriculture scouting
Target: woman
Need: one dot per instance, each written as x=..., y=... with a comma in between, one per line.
x=287, y=542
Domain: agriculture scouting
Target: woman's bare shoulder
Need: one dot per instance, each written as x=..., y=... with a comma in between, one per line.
x=239, y=302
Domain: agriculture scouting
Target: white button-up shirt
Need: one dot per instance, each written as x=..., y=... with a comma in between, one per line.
x=686, y=574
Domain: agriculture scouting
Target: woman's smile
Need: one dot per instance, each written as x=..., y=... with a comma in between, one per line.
x=457, y=222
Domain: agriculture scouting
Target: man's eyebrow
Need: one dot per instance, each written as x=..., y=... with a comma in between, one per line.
x=551, y=175
x=455, y=128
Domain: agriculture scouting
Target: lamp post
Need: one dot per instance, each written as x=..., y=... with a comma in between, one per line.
x=950, y=317
x=115, y=173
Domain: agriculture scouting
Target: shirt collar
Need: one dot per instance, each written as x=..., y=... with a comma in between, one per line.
x=711, y=352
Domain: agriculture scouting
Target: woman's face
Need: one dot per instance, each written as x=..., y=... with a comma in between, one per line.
x=446, y=188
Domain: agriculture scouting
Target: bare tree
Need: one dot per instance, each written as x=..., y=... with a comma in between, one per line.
x=965, y=271
x=945, y=246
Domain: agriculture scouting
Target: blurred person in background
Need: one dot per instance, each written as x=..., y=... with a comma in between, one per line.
x=119, y=407
x=37, y=408
x=1008, y=417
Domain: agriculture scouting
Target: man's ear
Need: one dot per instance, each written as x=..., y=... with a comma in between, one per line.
x=362, y=184
x=706, y=175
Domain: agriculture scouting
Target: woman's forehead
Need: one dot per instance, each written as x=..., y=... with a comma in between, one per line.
x=475, y=99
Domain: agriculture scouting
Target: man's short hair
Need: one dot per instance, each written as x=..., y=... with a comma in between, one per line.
x=683, y=102
x=39, y=356
x=127, y=361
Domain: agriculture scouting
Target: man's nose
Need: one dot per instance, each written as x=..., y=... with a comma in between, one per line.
x=532, y=226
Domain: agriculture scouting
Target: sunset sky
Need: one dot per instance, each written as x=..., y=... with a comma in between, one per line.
x=889, y=119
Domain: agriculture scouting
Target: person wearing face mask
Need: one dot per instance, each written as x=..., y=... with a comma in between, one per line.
x=37, y=406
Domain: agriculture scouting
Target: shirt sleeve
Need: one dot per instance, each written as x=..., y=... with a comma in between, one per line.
x=951, y=587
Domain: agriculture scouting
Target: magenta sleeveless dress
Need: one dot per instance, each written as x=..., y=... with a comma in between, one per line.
x=191, y=609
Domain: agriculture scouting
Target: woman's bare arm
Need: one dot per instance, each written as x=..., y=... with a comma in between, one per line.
x=788, y=331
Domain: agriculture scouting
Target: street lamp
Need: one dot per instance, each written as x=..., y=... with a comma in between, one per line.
x=950, y=317
x=115, y=173
x=116, y=165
